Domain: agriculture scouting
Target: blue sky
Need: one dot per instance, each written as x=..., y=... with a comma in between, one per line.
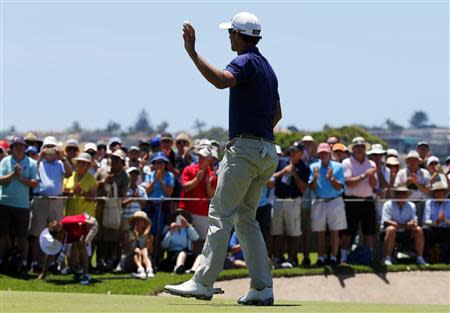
x=337, y=62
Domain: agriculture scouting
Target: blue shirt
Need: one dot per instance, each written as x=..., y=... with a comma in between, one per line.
x=234, y=241
x=253, y=100
x=16, y=194
x=134, y=206
x=324, y=189
x=286, y=187
x=51, y=176
x=180, y=240
x=157, y=191
x=432, y=209
x=392, y=212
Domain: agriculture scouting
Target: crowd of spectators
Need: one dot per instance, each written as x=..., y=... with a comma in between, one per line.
x=144, y=208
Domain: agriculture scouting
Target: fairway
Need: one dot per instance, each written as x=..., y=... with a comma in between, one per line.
x=16, y=301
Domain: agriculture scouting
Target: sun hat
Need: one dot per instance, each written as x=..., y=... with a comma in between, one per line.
x=432, y=159
x=339, y=147
x=72, y=143
x=323, y=147
x=183, y=137
x=48, y=244
x=359, y=141
x=49, y=141
x=245, y=23
x=159, y=156
x=413, y=154
x=296, y=146
x=307, y=138
x=120, y=154
x=90, y=146
x=401, y=188
x=139, y=215
x=134, y=148
x=376, y=149
x=392, y=152
x=166, y=137
x=439, y=185
x=18, y=140
x=392, y=161
x=31, y=137
x=84, y=157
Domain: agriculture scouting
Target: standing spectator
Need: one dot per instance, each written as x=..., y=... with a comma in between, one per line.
x=110, y=178
x=184, y=155
x=393, y=164
x=133, y=157
x=114, y=143
x=91, y=149
x=328, y=209
x=360, y=179
x=52, y=169
x=32, y=140
x=339, y=154
x=436, y=220
x=32, y=152
x=291, y=181
x=199, y=181
x=81, y=187
x=135, y=198
x=166, y=147
x=71, y=150
x=447, y=166
x=399, y=222
x=416, y=179
x=423, y=149
x=101, y=156
x=435, y=170
x=18, y=173
x=376, y=154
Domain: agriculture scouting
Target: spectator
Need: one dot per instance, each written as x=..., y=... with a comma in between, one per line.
x=332, y=141
x=416, y=179
x=81, y=188
x=435, y=170
x=184, y=155
x=393, y=165
x=112, y=182
x=32, y=140
x=436, y=220
x=18, y=173
x=235, y=254
x=135, y=198
x=399, y=222
x=326, y=181
x=339, y=153
x=447, y=168
x=91, y=149
x=76, y=231
x=138, y=246
x=291, y=181
x=423, y=149
x=178, y=242
x=199, y=181
x=101, y=156
x=376, y=154
x=52, y=169
x=71, y=150
x=114, y=143
x=264, y=211
x=133, y=157
x=391, y=153
x=32, y=152
x=166, y=147
x=360, y=179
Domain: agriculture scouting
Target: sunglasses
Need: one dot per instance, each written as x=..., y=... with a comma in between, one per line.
x=159, y=162
x=183, y=142
x=72, y=149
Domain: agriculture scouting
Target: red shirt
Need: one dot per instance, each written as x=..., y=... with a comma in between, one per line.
x=74, y=226
x=197, y=207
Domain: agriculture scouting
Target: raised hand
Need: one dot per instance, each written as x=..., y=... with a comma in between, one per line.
x=189, y=38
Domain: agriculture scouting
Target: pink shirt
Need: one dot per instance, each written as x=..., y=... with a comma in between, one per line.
x=352, y=168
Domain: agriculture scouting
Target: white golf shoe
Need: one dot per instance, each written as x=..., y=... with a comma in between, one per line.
x=257, y=297
x=190, y=289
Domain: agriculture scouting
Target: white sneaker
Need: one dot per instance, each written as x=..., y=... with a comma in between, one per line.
x=189, y=289
x=150, y=273
x=257, y=297
x=140, y=273
x=421, y=261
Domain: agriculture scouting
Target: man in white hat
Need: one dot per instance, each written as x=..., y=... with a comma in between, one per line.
x=250, y=160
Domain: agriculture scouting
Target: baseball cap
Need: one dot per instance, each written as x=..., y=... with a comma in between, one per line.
x=133, y=148
x=307, y=138
x=84, y=157
x=159, y=156
x=323, y=147
x=245, y=23
x=48, y=244
x=50, y=141
x=166, y=137
x=155, y=142
x=413, y=154
x=18, y=140
x=113, y=140
x=90, y=146
x=392, y=152
x=133, y=169
x=31, y=149
x=339, y=147
x=422, y=143
x=376, y=149
x=432, y=159
x=296, y=146
x=120, y=154
x=204, y=152
x=72, y=143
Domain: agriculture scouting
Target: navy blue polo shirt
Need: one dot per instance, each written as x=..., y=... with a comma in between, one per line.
x=285, y=187
x=253, y=99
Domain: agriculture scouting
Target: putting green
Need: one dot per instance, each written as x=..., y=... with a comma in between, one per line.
x=18, y=301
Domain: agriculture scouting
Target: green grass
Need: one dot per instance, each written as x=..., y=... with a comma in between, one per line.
x=62, y=302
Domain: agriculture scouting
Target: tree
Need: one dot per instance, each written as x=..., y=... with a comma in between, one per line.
x=162, y=128
x=292, y=128
x=214, y=133
x=75, y=128
x=198, y=125
x=419, y=119
x=142, y=123
x=112, y=127
x=393, y=126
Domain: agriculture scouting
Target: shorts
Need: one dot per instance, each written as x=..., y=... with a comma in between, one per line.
x=360, y=210
x=402, y=237
x=328, y=213
x=14, y=220
x=201, y=225
x=286, y=217
x=43, y=211
x=168, y=264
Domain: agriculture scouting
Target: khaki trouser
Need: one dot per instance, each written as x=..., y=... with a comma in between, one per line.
x=245, y=168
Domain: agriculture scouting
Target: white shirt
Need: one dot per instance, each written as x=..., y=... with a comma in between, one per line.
x=352, y=168
x=423, y=178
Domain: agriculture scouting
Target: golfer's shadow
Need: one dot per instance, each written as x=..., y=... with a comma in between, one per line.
x=346, y=272
x=240, y=305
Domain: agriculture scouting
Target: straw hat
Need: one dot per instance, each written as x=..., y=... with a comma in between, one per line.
x=439, y=185
x=139, y=215
x=84, y=157
x=359, y=141
x=392, y=161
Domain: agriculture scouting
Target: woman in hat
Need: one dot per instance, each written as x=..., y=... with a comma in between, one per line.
x=81, y=187
x=160, y=181
x=436, y=219
x=138, y=245
x=435, y=170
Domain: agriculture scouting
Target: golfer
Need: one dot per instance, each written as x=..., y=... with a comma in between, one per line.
x=250, y=160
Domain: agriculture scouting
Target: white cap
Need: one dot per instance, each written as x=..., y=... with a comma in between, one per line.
x=90, y=146
x=245, y=23
x=308, y=138
x=413, y=154
x=393, y=152
x=49, y=245
x=377, y=149
x=49, y=141
x=205, y=152
x=432, y=159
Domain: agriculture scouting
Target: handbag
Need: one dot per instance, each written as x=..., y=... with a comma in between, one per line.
x=112, y=209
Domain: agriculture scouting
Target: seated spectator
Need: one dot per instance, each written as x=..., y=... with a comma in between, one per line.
x=436, y=220
x=393, y=164
x=131, y=204
x=199, y=181
x=399, y=223
x=435, y=170
x=416, y=179
x=81, y=188
x=326, y=181
x=291, y=180
x=18, y=173
x=235, y=254
x=137, y=247
x=178, y=243
x=52, y=169
x=74, y=233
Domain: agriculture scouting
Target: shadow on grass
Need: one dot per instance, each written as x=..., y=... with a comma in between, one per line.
x=344, y=272
x=236, y=305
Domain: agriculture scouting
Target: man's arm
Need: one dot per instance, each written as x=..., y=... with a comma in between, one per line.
x=220, y=79
x=278, y=115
